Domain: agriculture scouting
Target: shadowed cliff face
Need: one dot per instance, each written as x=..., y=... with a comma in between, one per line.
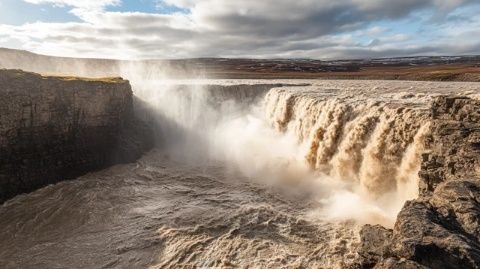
x=56, y=128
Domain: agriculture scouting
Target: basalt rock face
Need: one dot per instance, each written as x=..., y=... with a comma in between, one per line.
x=440, y=229
x=54, y=128
x=455, y=142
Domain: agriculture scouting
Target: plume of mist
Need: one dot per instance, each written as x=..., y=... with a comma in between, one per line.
x=347, y=157
x=350, y=178
x=364, y=151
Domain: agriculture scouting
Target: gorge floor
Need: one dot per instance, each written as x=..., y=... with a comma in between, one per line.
x=165, y=214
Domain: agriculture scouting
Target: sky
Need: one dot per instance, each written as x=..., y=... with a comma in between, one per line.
x=171, y=29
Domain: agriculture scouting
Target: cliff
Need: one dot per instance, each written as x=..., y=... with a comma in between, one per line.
x=57, y=128
x=440, y=229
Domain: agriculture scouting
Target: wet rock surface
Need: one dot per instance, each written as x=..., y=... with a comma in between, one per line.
x=56, y=128
x=440, y=229
x=373, y=244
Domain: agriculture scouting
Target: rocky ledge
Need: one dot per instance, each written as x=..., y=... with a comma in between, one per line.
x=440, y=229
x=57, y=128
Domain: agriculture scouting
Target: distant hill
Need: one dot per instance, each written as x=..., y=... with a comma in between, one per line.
x=25, y=60
x=451, y=68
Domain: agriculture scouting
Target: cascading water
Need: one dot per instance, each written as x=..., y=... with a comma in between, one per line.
x=372, y=147
x=246, y=174
x=367, y=147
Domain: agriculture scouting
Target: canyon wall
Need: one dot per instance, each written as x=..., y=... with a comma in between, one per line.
x=454, y=142
x=57, y=128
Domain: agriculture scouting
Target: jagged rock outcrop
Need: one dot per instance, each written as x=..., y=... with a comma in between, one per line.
x=455, y=142
x=374, y=241
x=57, y=128
x=440, y=229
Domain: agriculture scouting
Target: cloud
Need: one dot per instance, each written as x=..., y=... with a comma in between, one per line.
x=249, y=28
x=376, y=30
x=84, y=4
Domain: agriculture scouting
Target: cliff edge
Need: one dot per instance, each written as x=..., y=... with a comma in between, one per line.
x=57, y=128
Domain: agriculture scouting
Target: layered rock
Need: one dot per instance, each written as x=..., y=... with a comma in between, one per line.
x=440, y=229
x=455, y=142
x=56, y=128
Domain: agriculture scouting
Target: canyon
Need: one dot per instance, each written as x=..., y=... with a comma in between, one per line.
x=234, y=173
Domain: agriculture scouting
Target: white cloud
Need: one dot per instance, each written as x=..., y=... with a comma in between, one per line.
x=396, y=38
x=85, y=4
x=376, y=30
x=248, y=28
